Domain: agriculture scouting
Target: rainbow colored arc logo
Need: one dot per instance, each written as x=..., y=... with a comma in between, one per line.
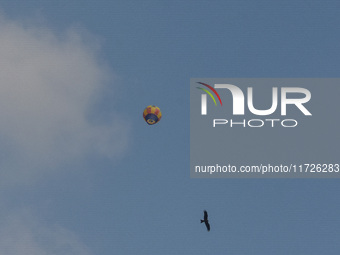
x=209, y=93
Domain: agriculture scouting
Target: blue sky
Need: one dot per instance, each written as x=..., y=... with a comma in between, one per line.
x=82, y=173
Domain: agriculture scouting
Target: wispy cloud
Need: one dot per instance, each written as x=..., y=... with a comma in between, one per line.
x=21, y=233
x=48, y=84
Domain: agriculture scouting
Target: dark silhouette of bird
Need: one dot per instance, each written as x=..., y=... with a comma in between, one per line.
x=206, y=220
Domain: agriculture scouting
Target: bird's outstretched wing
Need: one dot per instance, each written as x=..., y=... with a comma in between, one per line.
x=205, y=216
x=207, y=225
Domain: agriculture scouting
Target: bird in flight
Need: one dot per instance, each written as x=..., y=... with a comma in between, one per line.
x=206, y=220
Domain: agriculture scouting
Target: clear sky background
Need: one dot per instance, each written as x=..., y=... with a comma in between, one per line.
x=82, y=173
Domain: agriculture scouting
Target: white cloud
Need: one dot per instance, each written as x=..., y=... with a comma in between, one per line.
x=48, y=85
x=21, y=234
